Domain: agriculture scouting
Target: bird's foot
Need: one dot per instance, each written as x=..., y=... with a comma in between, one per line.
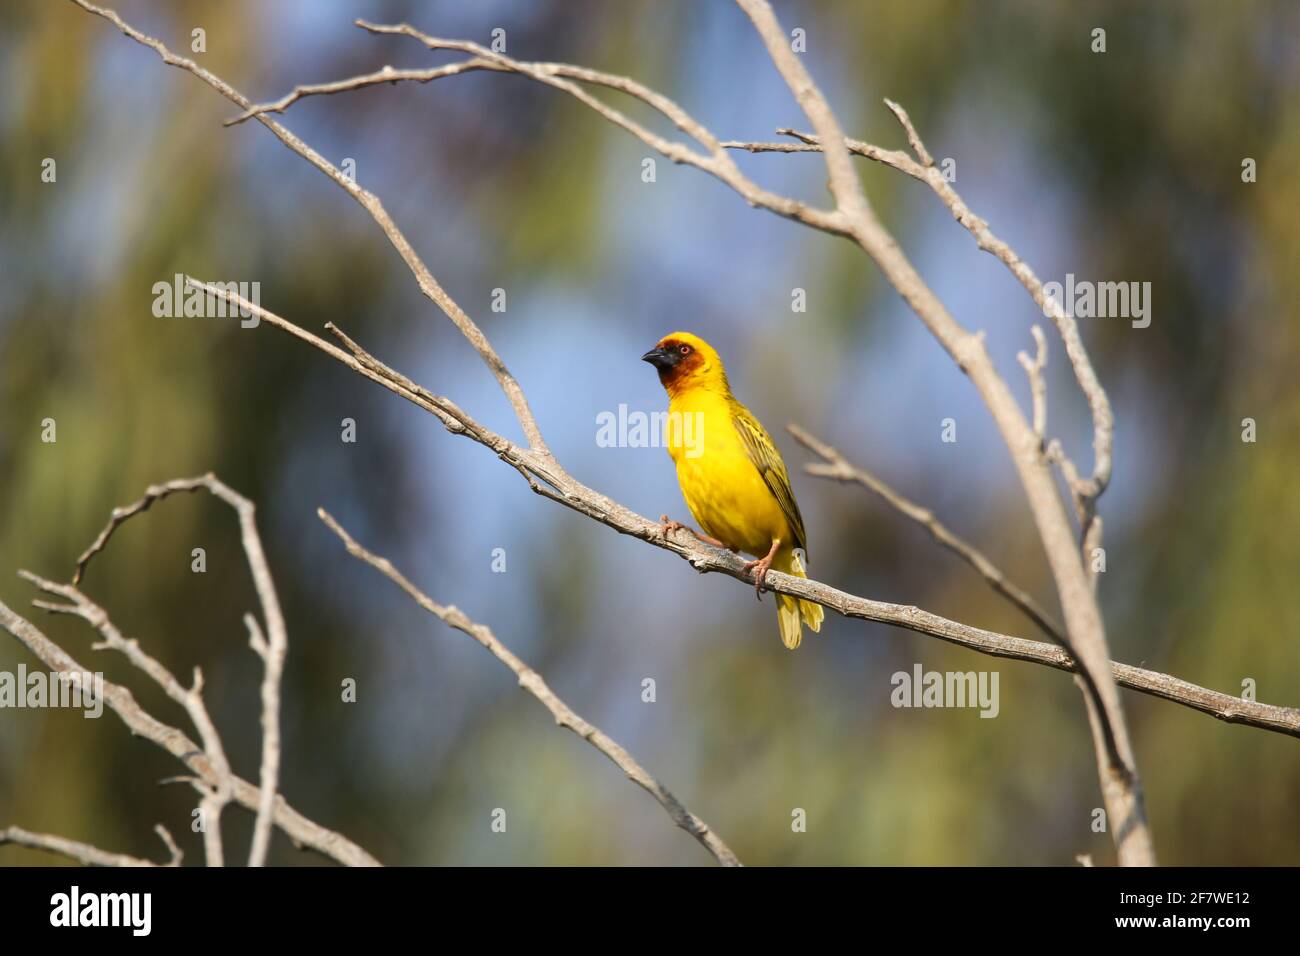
x=667, y=525
x=761, y=567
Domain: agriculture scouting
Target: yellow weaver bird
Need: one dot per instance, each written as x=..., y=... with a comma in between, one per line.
x=731, y=474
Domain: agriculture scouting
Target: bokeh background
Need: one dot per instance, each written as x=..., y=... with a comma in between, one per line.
x=1117, y=166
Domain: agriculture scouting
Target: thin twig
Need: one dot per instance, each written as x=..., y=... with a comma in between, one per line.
x=272, y=651
x=1037, y=384
x=1099, y=404
x=836, y=467
x=166, y=837
x=303, y=832
x=424, y=278
x=84, y=852
x=533, y=682
x=385, y=74
x=809, y=143
x=566, y=77
x=215, y=798
x=1085, y=505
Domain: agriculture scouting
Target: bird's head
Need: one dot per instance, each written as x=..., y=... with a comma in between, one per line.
x=687, y=361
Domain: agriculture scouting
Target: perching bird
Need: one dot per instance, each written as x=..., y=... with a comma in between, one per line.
x=731, y=474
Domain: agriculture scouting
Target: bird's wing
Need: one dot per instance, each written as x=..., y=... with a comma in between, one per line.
x=763, y=453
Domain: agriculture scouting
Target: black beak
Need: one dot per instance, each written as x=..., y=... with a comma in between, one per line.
x=662, y=359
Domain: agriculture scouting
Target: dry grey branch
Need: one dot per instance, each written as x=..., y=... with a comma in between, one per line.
x=385, y=74
x=172, y=848
x=926, y=172
x=424, y=278
x=216, y=797
x=566, y=78
x=838, y=468
x=533, y=682
x=808, y=143
x=1103, y=421
x=84, y=852
x=272, y=650
x=203, y=776
x=548, y=479
x=1037, y=384
x=1121, y=787
x=1084, y=491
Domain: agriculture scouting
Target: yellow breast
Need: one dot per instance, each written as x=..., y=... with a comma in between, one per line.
x=721, y=485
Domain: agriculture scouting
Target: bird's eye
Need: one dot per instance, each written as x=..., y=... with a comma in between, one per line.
x=684, y=349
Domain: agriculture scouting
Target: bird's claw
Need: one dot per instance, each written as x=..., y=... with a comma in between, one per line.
x=667, y=525
x=760, y=568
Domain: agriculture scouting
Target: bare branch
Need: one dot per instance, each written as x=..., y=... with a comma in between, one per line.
x=1037, y=384
x=844, y=185
x=770, y=147
x=913, y=139
x=120, y=700
x=84, y=852
x=1120, y=784
x=272, y=651
x=928, y=173
x=215, y=797
x=566, y=78
x=1085, y=505
x=172, y=848
x=809, y=143
x=1103, y=421
x=532, y=682
x=550, y=480
x=424, y=278
x=386, y=74
x=1083, y=491
x=837, y=468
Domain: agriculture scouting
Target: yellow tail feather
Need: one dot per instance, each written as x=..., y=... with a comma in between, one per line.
x=787, y=619
x=789, y=611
